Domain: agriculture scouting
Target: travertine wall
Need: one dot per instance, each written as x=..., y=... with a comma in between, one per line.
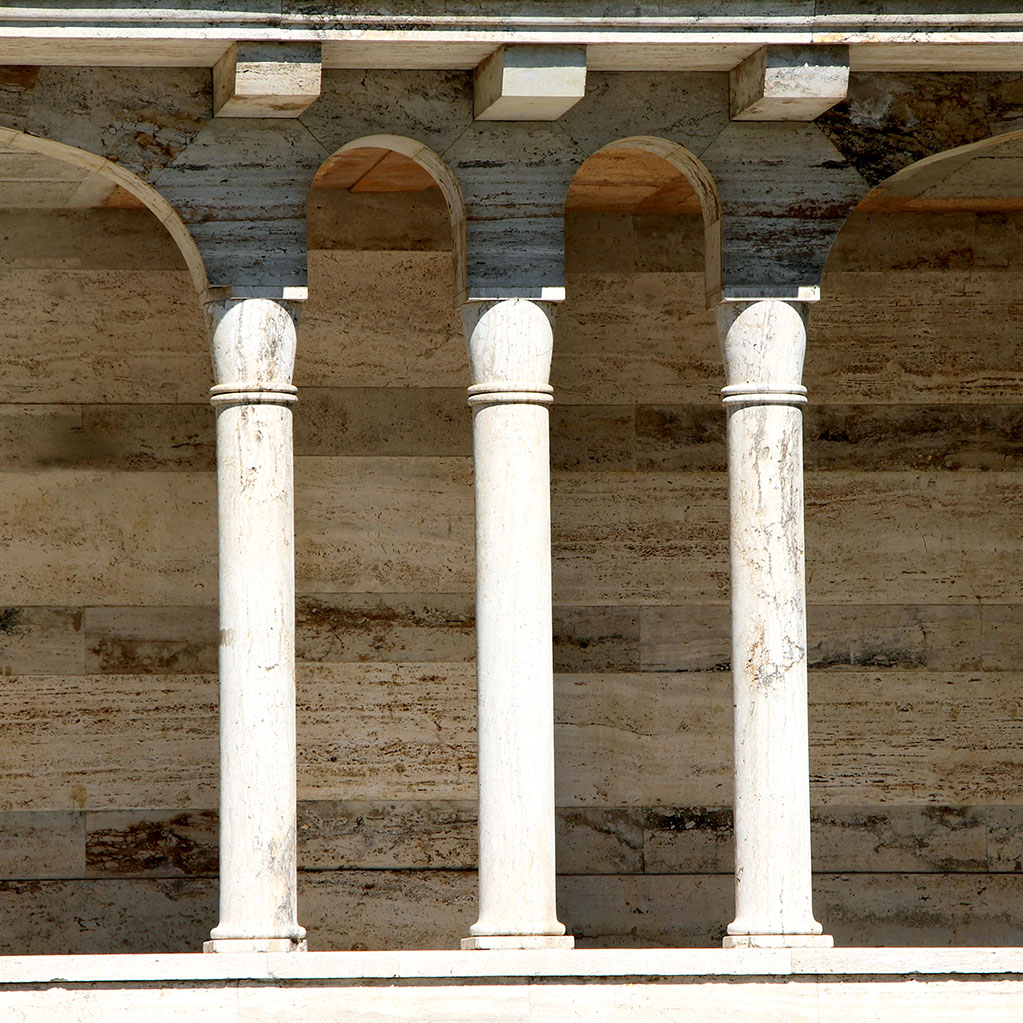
x=914, y=437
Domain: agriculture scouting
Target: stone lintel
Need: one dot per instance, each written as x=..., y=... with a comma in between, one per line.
x=278, y=293
x=763, y=292
x=266, y=79
x=788, y=83
x=530, y=82
x=498, y=293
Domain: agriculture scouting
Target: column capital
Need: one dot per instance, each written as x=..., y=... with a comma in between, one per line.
x=763, y=344
x=510, y=342
x=253, y=340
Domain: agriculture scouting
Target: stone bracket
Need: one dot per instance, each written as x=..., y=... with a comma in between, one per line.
x=788, y=83
x=266, y=79
x=530, y=82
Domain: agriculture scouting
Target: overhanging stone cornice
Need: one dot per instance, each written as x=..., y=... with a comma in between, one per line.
x=435, y=34
x=755, y=15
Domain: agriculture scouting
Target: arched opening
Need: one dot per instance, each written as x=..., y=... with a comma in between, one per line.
x=384, y=558
x=640, y=545
x=101, y=184
x=650, y=176
x=392, y=165
x=912, y=449
x=108, y=580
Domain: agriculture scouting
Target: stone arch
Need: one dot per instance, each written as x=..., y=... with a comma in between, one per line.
x=445, y=180
x=931, y=171
x=135, y=186
x=702, y=184
x=905, y=190
x=106, y=371
x=913, y=371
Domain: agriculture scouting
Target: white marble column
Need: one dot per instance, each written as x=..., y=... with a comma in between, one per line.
x=253, y=342
x=763, y=344
x=510, y=344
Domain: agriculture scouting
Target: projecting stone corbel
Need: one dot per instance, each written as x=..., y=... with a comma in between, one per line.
x=266, y=79
x=530, y=82
x=788, y=83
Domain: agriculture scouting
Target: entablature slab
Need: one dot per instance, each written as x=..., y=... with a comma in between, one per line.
x=674, y=36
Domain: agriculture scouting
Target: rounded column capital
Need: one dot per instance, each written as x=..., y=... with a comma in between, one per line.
x=253, y=342
x=763, y=344
x=510, y=343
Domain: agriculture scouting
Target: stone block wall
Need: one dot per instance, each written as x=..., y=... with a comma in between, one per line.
x=914, y=438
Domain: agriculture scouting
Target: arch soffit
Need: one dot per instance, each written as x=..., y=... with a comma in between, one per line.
x=146, y=194
x=703, y=185
x=446, y=181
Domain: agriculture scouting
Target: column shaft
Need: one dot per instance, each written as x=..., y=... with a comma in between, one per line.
x=254, y=349
x=510, y=349
x=764, y=343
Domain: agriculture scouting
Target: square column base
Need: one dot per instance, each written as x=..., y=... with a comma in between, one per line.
x=778, y=941
x=495, y=941
x=230, y=945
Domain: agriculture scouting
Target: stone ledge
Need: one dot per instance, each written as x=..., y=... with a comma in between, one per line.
x=598, y=964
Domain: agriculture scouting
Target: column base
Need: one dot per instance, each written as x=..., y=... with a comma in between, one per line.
x=778, y=941
x=509, y=941
x=229, y=945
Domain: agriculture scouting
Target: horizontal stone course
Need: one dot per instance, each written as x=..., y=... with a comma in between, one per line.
x=425, y=422
x=918, y=538
x=912, y=537
x=42, y=843
x=413, y=834
x=85, y=239
x=121, y=437
x=636, y=338
x=603, y=638
x=337, y=628
x=109, y=741
x=836, y=437
x=334, y=628
x=636, y=243
x=42, y=640
x=404, y=525
x=360, y=221
x=139, y=843
x=382, y=421
x=152, y=544
x=431, y=909
x=351, y=335
x=391, y=731
x=157, y=640
x=415, y=737
x=118, y=336
x=944, y=637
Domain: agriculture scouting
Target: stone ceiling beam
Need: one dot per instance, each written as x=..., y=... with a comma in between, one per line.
x=788, y=83
x=530, y=83
x=266, y=79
